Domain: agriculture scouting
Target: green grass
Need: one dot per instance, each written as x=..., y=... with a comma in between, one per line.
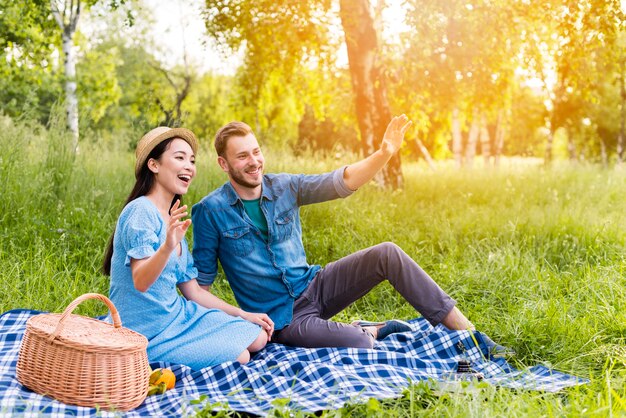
x=535, y=257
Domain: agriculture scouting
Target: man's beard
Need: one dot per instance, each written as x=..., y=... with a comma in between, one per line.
x=240, y=179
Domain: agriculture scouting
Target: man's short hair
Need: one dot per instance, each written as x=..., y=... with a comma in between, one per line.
x=226, y=132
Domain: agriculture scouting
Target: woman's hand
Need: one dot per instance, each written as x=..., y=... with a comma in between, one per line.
x=260, y=319
x=192, y=291
x=146, y=271
x=176, y=229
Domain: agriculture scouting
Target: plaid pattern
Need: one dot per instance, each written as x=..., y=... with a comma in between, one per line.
x=302, y=379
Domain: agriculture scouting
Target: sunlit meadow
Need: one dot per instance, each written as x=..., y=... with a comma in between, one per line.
x=535, y=256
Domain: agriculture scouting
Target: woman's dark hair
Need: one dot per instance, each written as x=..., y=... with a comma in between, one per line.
x=144, y=183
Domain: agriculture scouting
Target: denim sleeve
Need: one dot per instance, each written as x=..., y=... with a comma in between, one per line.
x=321, y=187
x=205, y=243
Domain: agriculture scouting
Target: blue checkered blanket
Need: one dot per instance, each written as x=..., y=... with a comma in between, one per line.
x=298, y=378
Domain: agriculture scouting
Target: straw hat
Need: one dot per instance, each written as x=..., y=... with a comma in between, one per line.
x=155, y=137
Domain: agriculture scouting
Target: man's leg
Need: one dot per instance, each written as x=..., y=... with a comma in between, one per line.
x=308, y=329
x=344, y=281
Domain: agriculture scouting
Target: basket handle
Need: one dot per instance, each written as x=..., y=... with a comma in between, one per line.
x=117, y=322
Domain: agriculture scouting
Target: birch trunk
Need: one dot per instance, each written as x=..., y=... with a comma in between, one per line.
x=67, y=19
x=71, y=100
x=472, y=139
x=622, y=124
x=369, y=84
x=457, y=138
x=485, y=141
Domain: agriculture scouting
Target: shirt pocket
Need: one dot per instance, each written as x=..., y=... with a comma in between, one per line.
x=238, y=240
x=284, y=225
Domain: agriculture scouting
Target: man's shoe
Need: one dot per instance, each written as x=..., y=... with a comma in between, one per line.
x=388, y=327
x=496, y=350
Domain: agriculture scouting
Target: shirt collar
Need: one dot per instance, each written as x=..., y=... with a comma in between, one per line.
x=233, y=197
x=266, y=190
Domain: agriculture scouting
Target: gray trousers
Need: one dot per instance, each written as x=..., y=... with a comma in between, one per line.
x=344, y=281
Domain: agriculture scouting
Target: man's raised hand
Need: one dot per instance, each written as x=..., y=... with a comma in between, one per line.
x=395, y=134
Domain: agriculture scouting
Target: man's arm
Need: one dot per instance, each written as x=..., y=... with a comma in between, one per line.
x=205, y=241
x=359, y=173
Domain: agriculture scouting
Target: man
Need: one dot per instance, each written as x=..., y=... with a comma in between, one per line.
x=252, y=226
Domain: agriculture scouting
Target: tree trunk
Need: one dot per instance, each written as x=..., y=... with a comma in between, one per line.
x=485, y=141
x=457, y=138
x=622, y=125
x=67, y=21
x=571, y=147
x=369, y=84
x=499, y=141
x=472, y=139
x=603, y=153
x=71, y=101
x=174, y=116
x=426, y=154
x=547, y=159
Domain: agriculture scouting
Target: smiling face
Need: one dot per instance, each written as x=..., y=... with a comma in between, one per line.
x=175, y=169
x=243, y=162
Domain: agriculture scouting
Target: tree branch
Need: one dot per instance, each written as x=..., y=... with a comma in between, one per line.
x=165, y=73
x=74, y=17
x=56, y=14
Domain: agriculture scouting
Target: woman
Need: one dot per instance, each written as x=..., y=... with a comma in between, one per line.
x=148, y=258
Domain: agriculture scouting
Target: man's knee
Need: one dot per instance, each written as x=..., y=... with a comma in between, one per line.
x=387, y=249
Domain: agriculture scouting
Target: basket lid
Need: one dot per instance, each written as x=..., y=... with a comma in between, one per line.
x=84, y=332
x=89, y=333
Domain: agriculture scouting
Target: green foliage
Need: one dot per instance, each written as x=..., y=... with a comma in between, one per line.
x=526, y=136
x=28, y=83
x=324, y=135
x=452, y=55
x=25, y=25
x=209, y=107
x=287, y=48
x=98, y=86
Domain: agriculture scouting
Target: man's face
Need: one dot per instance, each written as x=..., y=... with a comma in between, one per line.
x=243, y=161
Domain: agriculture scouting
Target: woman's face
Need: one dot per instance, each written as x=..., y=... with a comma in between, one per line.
x=176, y=167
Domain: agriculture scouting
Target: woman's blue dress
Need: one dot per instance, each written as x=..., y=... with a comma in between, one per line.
x=178, y=330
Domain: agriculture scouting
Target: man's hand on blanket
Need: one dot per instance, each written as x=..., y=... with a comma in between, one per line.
x=260, y=319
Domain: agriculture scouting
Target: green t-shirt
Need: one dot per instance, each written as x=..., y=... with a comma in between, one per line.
x=253, y=209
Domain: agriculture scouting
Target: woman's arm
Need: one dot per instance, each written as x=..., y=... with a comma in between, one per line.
x=147, y=270
x=192, y=291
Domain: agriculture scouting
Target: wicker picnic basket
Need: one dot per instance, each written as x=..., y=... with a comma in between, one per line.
x=83, y=361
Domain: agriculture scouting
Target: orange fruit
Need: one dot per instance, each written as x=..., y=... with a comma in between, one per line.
x=167, y=377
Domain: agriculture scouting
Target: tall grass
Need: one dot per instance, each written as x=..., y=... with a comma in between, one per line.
x=535, y=257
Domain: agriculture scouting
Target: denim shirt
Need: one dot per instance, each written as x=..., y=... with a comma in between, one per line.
x=265, y=276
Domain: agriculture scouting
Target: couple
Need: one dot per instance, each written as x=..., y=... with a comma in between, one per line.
x=252, y=225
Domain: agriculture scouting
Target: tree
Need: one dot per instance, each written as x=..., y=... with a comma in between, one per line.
x=369, y=83
x=180, y=81
x=459, y=61
x=66, y=13
x=28, y=39
x=569, y=39
x=283, y=36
